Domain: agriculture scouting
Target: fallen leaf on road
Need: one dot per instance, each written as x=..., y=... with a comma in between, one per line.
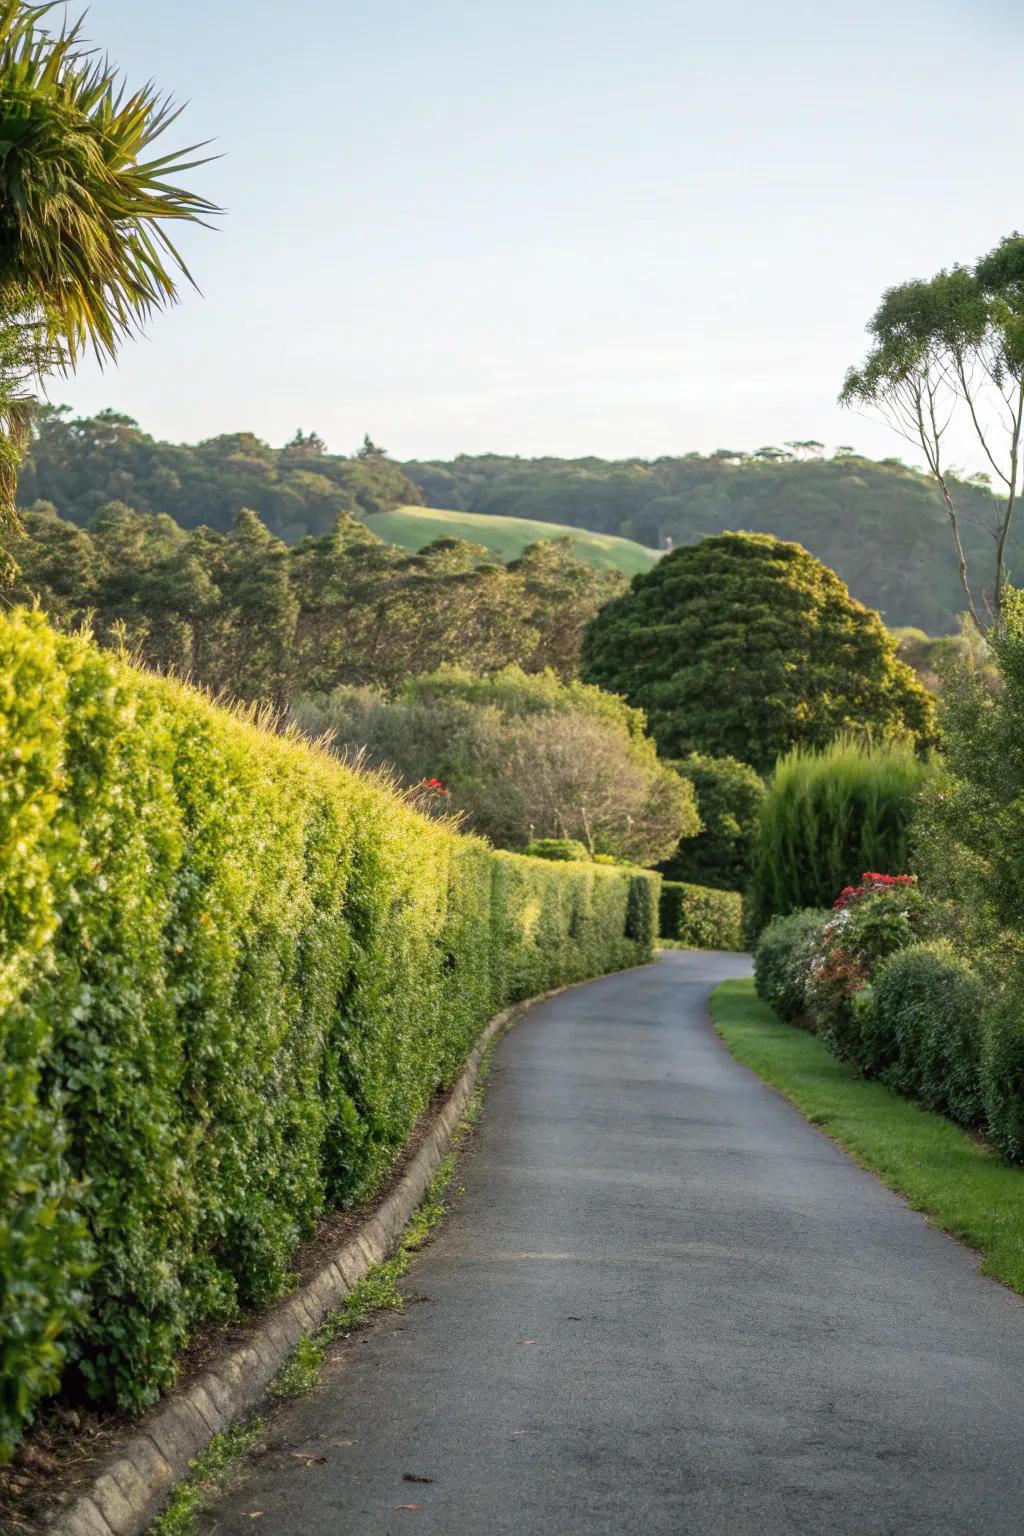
x=255, y=1514
x=307, y=1459
x=413, y=1477
x=407, y=1506
x=527, y=1341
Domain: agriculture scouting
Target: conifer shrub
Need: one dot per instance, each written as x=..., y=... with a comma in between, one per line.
x=233, y=973
x=828, y=815
x=701, y=916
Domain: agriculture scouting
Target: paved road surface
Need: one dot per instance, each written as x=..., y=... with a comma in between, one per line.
x=664, y=1303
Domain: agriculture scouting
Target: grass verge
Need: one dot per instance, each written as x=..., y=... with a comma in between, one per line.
x=962, y=1185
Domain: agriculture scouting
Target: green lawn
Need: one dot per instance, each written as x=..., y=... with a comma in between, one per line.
x=964, y=1188
x=412, y=527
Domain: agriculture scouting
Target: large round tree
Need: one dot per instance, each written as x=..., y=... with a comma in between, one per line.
x=745, y=645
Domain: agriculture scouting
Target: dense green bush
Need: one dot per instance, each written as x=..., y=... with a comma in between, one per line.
x=522, y=756
x=925, y=1036
x=828, y=816
x=870, y=922
x=782, y=961
x=233, y=972
x=729, y=797
x=565, y=850
x=701, y=916
x=747, y=646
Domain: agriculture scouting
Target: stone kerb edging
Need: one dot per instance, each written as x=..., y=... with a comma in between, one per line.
x=133, y=1484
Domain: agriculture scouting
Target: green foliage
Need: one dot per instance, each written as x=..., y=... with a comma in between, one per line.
x=563, y=849
x=642, y=910
x=881, y=526
x=828, y=816
x=84, y=219
x=700, y=916
x=81, y=464
x=954, y=346
x=783, y=956
x=233, y=972
x=745, y=646
x=729, y=798
x=875, y=922
x=926, y=1029
x=520, y=756
x=245, y=615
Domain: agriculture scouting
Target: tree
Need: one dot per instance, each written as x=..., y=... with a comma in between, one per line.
x=746, y=646
x=85, y=254
x=729, y=796
x=522, y=757
x=954, y=345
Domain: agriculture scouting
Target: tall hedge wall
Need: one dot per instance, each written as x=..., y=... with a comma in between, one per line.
x=232, y=974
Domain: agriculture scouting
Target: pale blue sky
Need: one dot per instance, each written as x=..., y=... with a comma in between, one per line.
x=533, y=226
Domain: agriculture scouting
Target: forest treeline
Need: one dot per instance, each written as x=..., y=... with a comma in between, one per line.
x=245, y=614
x=880, y=525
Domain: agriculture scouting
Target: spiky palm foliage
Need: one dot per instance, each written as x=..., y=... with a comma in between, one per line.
x=85, y=253
x=83, y=212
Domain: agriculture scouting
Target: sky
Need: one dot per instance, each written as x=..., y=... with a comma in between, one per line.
x=540, y=227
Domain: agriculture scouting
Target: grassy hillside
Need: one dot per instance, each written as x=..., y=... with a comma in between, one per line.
x=412, y=527
x=880, y=525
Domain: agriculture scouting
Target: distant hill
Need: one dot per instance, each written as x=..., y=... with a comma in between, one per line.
x=880, y=525
x=413, y=527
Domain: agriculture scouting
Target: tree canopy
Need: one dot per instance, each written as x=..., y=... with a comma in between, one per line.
x=747, y=646
x=521, y=757
x=880, y=525
x=947, y=347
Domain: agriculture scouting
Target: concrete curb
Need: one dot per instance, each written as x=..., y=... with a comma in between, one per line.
x=133, y=1484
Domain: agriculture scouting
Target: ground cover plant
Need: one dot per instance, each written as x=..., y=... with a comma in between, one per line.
x=963, y=1186
x=234, y=971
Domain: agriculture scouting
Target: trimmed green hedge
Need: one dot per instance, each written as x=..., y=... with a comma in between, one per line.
x=926, y=1029
x=700, y=916
x=233, y=973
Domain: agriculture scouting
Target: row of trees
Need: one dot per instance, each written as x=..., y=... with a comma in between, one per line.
x=246, y=615
x=81, y=464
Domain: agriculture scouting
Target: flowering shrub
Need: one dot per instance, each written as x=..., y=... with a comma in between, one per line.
x=869, y=921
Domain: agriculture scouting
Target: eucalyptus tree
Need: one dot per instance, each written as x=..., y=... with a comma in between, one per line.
x=949, y=347
x=86, y=209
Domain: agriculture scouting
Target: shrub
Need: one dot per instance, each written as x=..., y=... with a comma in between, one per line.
x=729, y=796
x=827, y=816
x=744, y=645
x=782, y=961
x=522, y=756
x=926, y=1030
x=869, y=922
x=233, y=973
x=562, y=849
x=642, y=910
x=701, y=917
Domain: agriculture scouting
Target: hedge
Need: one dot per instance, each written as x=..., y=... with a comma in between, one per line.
x=926, y=1029
x=700, y=916
x=233, y=973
